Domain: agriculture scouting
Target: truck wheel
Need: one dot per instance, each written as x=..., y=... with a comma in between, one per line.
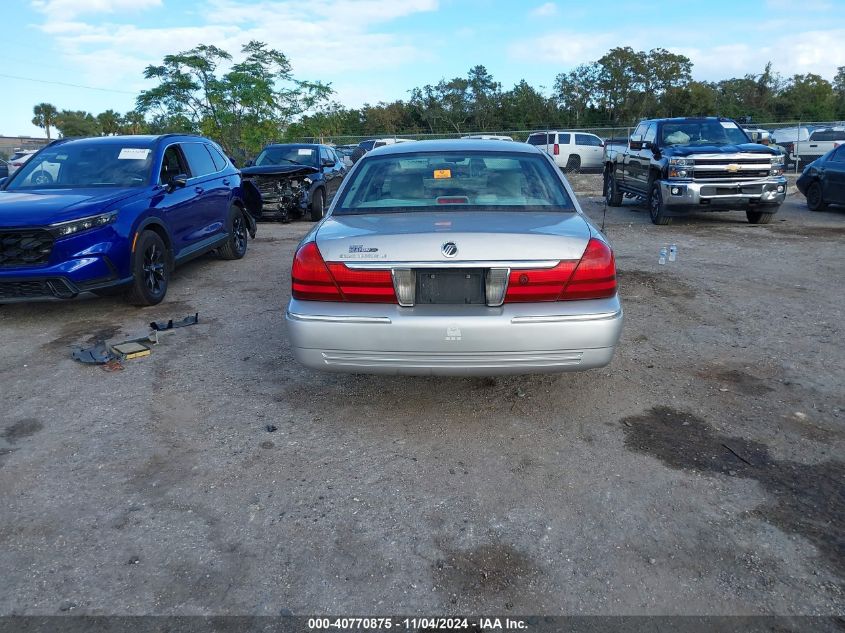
x=815, y=202
x=656, y=208
x=611, y=193
x=317, y=206
x=150, y=271
x=573, y=164
x=758, y=217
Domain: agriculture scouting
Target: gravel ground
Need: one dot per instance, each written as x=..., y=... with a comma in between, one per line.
x=700, y=473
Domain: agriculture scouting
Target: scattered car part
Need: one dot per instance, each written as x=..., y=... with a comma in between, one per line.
x=160, y=326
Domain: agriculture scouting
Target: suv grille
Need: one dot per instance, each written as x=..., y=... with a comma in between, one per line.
x=25, y=247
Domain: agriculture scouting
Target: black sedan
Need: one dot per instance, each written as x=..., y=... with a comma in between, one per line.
x=296, y=179
x=823, y=180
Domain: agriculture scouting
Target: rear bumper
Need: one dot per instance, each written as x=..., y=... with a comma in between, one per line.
x=454, y=340
x=698, y=196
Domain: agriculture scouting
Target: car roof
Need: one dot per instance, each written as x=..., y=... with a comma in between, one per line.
x=455, y=145
x=561, y=132
x=685, y=119
x=128, y=139
x=294, y=145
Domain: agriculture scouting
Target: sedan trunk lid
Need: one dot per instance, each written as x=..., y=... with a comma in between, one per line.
x=422, y=237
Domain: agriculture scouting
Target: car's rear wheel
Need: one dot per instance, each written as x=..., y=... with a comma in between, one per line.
x=656, y=208
x=611, y=192
x=758, y=217
x=235, y=247
x=318, y=203
x=150, y=270
x=573, y=164
x=815, y=202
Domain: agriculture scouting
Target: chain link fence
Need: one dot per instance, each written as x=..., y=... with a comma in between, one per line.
x=606, y=133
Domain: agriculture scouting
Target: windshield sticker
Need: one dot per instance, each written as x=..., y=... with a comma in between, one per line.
x=442, y=173
x=133, y=153
x=728, y=125
x=305, y=152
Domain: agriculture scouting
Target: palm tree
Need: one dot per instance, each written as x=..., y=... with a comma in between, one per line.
x=45, y=116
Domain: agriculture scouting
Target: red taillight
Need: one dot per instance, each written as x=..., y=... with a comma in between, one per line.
x=314, y=280
x=592, y=277
x=595, y=277
x=539, y=284
x=556, y=149
x=367, y=286
x=310, y=278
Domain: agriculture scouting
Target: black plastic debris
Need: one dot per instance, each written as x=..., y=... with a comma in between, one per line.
x=271, y=428
x=98, y=354
x=160, y=326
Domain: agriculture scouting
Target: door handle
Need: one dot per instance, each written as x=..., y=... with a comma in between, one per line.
x=813, y=145
x=226, y=181
x=199, y=189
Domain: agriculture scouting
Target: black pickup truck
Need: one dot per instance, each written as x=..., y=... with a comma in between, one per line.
x=695, y=164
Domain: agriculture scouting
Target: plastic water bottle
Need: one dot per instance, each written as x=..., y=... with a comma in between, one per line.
x=662, y=259
x=673, y=253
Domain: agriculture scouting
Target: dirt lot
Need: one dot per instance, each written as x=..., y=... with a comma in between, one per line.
x=699, y=473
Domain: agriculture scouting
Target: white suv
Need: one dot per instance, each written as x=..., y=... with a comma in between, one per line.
x=572, y=151
x=20, y=157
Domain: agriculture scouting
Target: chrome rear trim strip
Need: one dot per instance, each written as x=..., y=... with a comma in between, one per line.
x=327, y=318
x=563, y=318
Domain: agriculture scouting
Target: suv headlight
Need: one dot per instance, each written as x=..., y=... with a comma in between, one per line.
x=72, y=227
x=777, y=165
x=681, y=168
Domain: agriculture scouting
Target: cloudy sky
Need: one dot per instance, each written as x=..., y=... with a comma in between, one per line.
x=372, y=50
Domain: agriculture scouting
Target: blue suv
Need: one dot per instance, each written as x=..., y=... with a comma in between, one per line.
x=117, y=214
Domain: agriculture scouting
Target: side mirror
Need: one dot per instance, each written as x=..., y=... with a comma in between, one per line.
x=177, y=182
x=249, y=163
x=636, y=142
x=328, y=162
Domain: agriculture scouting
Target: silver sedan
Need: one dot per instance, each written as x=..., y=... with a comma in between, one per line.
x=454, y=258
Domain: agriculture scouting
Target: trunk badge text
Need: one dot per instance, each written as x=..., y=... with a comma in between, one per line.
x=453, y=333
x=360, y=248
x=449, y=249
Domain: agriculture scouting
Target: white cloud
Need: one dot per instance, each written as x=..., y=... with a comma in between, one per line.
x=333, y=36
x=563, y=48
x=818, y=52
x=58, y=10
x=805, y=51
x=544, y=10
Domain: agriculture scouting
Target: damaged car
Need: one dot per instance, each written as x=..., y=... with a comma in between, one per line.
x=295, y=180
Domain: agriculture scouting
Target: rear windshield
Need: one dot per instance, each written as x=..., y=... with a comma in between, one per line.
x=484, y=181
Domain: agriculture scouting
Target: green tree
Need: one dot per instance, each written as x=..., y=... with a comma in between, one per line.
x=576, y=91
x=839, y=92
x=243, y=108
x=809, y=98
x=526, y=108
x=110, y=122
x=45, y=116
x=133, y=122
x=77, y=123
